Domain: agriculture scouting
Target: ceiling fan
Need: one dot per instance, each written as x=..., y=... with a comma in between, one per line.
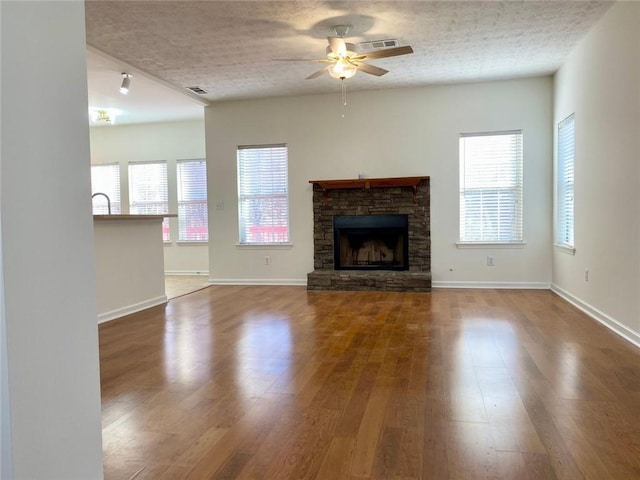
x=344, y=60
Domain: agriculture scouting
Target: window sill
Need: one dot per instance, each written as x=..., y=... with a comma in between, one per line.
x=265, y=246
x=564, y=249
x=490, y=244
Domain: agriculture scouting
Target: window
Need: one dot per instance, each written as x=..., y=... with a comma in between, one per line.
x=564, y=183
x=192, y=201
x=263, y=194
x=491, y=187
x=105, y=179
x=148, y=191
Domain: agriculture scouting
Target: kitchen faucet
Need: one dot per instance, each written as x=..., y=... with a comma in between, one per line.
x=105, y=196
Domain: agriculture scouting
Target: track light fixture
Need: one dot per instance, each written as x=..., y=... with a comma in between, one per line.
x=126, y=80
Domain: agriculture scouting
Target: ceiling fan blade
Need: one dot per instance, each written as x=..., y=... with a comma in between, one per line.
x=318, y=73
x=337, y=45
x=371, y=69
x=389, y=52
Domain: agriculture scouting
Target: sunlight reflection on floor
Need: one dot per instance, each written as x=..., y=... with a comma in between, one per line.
x=178, y=285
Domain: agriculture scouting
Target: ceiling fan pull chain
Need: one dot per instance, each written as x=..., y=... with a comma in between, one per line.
x=344, y=97
x=344, y=93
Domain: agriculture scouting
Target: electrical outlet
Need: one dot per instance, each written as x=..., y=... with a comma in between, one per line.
x=586, y=274
x=490, y=262
x=219, y=205
x=267, y=260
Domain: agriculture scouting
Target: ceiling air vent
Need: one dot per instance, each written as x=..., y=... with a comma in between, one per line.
x=198, y=90
x=377, y=45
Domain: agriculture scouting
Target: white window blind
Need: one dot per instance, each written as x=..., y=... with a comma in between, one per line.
x=192, y=200
x=491, y=187
x=148, y=191
x=263, y=194
x=564, y=182
x=106, y=179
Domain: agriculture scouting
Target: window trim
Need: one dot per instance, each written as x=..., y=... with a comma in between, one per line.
x=112, y=200
x=165, y=241
x=260, y=245
x=559, y=244
x=519, y=188
x=206, y=201
x=265, y=246
x=491, y=244
x=564, y=249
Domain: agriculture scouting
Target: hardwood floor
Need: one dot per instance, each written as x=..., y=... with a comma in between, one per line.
x=281, y=383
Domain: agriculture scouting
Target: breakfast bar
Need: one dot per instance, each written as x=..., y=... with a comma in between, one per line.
x=129, y=263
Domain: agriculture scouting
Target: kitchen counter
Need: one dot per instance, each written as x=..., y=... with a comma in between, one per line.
x=129, y=258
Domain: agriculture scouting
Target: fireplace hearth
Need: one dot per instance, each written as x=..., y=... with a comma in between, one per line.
x=352, y=251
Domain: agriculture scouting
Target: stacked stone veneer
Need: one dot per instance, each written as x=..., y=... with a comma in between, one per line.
x=372, y=201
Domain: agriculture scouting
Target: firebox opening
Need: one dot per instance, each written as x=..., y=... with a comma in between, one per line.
x=371, y=242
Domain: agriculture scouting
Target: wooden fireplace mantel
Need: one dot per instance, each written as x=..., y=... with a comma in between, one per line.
x=367, y=183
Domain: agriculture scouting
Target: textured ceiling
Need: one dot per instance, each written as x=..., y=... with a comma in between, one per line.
x=230, y=48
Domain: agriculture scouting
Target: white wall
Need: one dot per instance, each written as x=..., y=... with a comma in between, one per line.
x=387, y=133
x=47, y=245
x=169, y=141
x=6, y=460
x=600, y=82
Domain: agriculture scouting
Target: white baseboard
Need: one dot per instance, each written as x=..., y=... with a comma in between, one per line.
x=502, y=285
x=259, y=281
x=601, y=317
x=136, y=307
x=203, y=273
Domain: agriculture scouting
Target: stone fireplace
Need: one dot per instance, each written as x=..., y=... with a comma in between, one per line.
x=371, y=234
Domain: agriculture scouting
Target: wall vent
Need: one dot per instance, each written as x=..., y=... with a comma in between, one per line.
x=377, y=45
x=198, y=90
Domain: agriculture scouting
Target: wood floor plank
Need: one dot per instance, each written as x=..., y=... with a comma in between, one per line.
x=510, y=425
x=263, y=382
x=470, y=451
x=337, y=459
x=371, y=429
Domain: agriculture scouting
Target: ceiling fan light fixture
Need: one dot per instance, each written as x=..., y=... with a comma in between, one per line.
x=342, y=70
x=126, y=80
x=345, y=59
